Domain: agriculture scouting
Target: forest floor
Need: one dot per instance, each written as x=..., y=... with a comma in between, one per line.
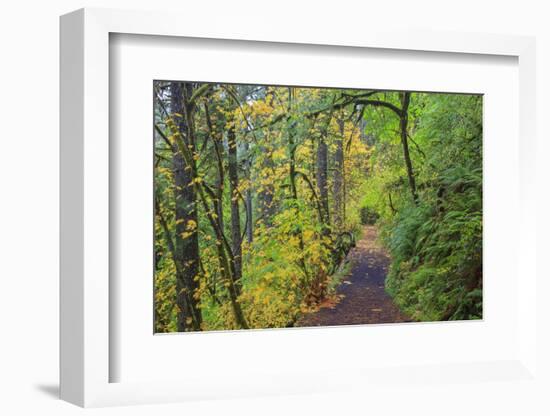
x=361, y=297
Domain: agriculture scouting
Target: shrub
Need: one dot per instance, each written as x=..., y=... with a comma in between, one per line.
x=368, y=216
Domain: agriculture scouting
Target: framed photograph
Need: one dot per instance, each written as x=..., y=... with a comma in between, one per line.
x=274, y=206
x=271, y=213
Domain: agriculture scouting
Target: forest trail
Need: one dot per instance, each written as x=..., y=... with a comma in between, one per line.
x=363, y=296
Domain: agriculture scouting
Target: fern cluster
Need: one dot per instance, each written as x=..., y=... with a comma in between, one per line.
x=436, y=243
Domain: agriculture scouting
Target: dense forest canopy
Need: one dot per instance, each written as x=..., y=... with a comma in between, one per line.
x=262, y=191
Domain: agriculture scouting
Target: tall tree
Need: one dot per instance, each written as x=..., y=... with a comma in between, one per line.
x=403, y=125
x=266, y=193
x=233, y=169
x=322, y=173
x=248, y=196
x=338, y=183
x=186, y=243
x=217, y=140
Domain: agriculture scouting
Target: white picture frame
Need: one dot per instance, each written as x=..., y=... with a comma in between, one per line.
x=85, y=165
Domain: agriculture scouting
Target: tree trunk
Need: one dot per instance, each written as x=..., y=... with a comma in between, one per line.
x=220, y=178
x=339, y=177
x=250, y=216
x=403, y=123
x=266, y=203
x=248, y=199
x=266, y=193
x=322, y=175
x=186, y=244
x=235, y=196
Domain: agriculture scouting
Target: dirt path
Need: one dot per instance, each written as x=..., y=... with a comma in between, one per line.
x=364, y=300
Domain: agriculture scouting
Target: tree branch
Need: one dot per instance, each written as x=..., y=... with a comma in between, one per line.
x=163, y=136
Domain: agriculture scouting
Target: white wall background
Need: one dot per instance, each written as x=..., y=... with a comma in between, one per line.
x=29, y=206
